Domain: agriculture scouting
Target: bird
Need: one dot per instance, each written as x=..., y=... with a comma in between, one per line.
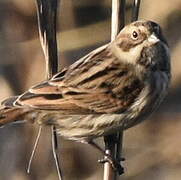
x=111, y=89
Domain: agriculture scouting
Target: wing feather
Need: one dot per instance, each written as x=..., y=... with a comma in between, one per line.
x=10, y=101
x=97, y=83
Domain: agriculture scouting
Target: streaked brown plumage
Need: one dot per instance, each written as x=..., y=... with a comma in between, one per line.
x=111, y=89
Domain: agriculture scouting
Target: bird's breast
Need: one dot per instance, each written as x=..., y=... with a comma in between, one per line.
x=151, y=96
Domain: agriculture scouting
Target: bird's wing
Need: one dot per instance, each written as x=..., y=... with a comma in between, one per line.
x=97, y=83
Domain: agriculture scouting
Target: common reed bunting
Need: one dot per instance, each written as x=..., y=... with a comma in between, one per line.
x=111, y=89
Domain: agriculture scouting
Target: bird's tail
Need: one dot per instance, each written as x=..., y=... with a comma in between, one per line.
x=15, y=114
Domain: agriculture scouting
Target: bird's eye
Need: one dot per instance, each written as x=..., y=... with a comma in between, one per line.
x=134, y=35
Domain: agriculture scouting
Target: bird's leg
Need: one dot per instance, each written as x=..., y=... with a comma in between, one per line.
x=108, y=158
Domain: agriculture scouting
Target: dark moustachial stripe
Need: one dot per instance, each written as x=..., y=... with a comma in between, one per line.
x=145, y=54
x=150, y=58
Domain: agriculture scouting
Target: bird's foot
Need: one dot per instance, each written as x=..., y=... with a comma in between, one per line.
x=116, y=165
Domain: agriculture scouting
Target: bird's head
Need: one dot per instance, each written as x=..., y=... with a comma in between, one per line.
x=137, y=38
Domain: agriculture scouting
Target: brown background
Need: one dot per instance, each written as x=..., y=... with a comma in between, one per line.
x=152, y=149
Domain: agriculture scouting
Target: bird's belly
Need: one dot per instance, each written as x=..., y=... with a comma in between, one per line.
x=80, y=127
x=90, y=126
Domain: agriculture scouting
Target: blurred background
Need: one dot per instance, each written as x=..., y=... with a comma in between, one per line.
x=152, y=149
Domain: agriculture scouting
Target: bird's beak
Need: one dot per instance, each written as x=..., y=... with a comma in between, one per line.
x=153, y=38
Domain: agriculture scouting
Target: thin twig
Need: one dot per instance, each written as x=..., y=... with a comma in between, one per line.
x=113, y=143
x=119, y=143
x=59, y=172
x=34, y=149
x=47, y=17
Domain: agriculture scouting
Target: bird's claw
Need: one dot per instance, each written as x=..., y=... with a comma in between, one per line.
x=114, y=163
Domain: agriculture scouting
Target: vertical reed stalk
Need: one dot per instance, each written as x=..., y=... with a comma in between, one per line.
x=113, y=143
x=47, y=22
